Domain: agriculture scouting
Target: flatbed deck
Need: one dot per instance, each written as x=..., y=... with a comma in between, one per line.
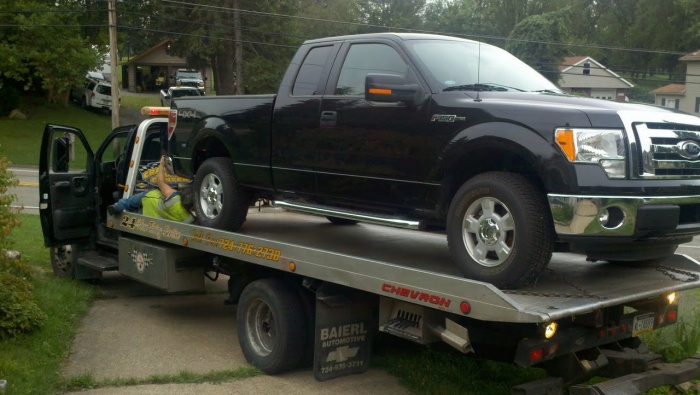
x=416, y=266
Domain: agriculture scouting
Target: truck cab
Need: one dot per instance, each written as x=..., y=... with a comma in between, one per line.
x=76, y=184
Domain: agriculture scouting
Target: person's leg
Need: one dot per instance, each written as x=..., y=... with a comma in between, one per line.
x=132, y=203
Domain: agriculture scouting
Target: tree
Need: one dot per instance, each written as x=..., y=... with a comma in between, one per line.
x=42, y=46
x=534, y=41
x=385, y=15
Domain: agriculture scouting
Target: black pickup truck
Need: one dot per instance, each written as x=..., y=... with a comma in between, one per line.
x=429, y=132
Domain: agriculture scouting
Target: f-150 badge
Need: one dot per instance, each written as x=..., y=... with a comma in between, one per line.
x=446, y=118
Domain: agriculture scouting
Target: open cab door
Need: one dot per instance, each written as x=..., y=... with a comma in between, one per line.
x=66, y=186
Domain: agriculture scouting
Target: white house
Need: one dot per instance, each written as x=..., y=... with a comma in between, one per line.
x=685, y=97
x=583, y=75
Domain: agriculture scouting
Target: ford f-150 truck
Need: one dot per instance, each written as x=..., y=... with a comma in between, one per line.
x=428, y=132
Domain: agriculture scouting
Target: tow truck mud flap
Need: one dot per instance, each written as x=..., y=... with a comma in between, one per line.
x=345, y=322
x=171, y=269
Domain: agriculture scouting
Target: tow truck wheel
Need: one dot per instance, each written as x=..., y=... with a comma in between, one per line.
x=271, y=324
x=218, y=199
x=499, y=230
x=63, y=261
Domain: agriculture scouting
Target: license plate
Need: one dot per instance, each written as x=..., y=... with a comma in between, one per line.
x=643, y=323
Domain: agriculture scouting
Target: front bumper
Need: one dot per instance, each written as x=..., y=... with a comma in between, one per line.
x=631, y=216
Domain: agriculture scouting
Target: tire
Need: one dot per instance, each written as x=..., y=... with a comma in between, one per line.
x=499, y=230
x=63, y=260
x=272, y=329
x=341, y=221
x=218, y=199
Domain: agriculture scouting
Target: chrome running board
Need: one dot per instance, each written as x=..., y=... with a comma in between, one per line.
x=318, y=210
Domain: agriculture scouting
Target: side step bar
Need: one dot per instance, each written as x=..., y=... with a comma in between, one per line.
x=99, y=262
x=319, y=210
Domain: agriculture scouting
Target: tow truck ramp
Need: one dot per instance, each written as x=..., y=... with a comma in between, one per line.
x=416, y=281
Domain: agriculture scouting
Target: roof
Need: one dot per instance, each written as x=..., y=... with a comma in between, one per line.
x=693, y=56
x=577, y=62
x=145, y=53
x=670, y=89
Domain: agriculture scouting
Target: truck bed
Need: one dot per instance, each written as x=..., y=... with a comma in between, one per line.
x=416, y=266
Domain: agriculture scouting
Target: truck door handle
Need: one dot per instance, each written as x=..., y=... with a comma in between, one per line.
x=328, y=119
x=61, y=184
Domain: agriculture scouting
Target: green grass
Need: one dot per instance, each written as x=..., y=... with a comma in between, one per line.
x=20, y=140
x=31, y=363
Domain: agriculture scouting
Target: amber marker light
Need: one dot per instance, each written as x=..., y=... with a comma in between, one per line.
x=155, y=111
x=131, y=163
x=550, y=330
x=110, y=224
x=565, y=139
x=184, y=241
x=379, y=91
x=671, y=297
x=136, y=140
x=292, y=266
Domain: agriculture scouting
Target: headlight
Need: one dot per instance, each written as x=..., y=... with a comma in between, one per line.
x=605, y=147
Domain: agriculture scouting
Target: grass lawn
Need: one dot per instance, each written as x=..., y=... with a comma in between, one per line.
x=20, y=141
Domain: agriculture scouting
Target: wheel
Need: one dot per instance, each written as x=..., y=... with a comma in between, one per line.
x=341, y=221
x=272, y=328
x=63, y=261
x=499, y=230
x=219, y=201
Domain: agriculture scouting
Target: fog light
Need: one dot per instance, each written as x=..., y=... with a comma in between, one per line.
x=611, y=217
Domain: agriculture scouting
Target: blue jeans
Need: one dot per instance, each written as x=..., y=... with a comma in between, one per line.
x=132, y=203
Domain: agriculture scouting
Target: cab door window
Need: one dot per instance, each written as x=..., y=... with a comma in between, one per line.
x=363, y=59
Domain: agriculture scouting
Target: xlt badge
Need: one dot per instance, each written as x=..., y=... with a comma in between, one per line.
x=446, y=118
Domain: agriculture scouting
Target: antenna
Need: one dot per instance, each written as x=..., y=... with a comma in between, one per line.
x=478, y=73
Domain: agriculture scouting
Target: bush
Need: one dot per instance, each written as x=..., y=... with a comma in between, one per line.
x=9, y=100
x=18, y=311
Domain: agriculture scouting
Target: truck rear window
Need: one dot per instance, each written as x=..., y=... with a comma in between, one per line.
x=104, y=90
x=310, y=71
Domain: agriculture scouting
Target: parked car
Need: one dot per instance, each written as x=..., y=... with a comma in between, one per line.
x=192, y=78
x=95, y=93
x=166, y=96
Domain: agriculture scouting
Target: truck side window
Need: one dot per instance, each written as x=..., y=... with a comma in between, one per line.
x=363, y=59
x=310, y=71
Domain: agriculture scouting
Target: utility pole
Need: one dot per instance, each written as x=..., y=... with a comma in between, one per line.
x=239, y=46
x=114, y=61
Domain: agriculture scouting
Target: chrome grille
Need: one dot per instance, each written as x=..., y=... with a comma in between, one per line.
x=660, y=150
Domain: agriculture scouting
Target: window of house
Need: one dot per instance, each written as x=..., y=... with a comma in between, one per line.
x=663, y=101
x=363, y=59
x=697, y=104
x=587, y=68
x=310, y=72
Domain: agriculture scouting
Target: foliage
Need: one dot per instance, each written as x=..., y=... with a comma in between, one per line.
x=40, y=48
x=639, y=95
x=677, y=342
x=18, y=311
x=531, y=42
x=10, y=100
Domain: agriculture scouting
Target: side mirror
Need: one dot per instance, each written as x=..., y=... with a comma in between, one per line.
x=60, y=154
x=390, y=88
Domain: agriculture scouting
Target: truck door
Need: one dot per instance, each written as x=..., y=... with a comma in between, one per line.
x=367, y=151
x=66, y=186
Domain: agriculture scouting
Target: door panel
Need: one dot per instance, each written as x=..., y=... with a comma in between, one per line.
x=66, y=186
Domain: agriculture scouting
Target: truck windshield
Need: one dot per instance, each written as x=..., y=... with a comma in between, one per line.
x=189, y=74
x=469, y=65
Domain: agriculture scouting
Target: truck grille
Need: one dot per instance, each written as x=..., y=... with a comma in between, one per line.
x=668, y=150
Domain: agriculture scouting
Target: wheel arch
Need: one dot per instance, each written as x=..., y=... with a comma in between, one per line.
x=499, y=146
x=212, y=137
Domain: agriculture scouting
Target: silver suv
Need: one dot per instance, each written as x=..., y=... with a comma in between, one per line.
x=95, y=93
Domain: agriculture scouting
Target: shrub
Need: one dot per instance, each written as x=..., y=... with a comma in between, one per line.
x=9, y=100
x=18, y=311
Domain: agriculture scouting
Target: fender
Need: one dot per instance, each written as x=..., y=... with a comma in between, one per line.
x=502, y=146
x=211, y=137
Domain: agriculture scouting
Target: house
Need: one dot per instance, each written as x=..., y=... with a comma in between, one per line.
x=684, y=97
x=583, y=75
x=152, y=68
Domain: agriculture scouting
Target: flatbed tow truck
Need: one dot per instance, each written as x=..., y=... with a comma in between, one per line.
x=308, y=290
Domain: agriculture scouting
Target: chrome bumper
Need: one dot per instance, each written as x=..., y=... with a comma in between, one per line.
x=585, y=215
